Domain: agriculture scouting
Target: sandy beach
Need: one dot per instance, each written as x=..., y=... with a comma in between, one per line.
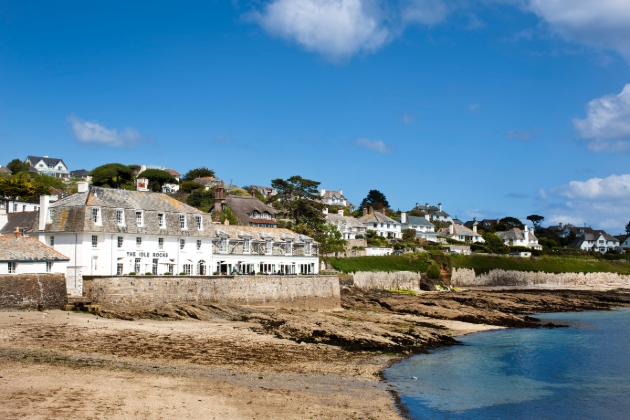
x=222, y=363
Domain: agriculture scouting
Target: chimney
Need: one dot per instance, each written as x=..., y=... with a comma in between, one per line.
x=17, y=232
x=403, y=218
x=44, y=204
x=142, y=184
x=340, y=192
x=451, y=229
x=4, y=218
x=82, y=187
x=440, y=206
x=475, y=224
x=426, y=216
x=268, y=194
x=322, y=192
x=526, y=233
x=325, y=210
x=371, y=209
x=365, y=211
x=340, y=212
x=218, y=198
x=417, y=205
x=253, y=193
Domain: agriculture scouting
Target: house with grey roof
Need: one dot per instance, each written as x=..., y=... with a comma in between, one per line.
x=520, y=237
x=434, y=212
x=26, y=255
x=423, y=227
x=596, y=240
x=382, y=224
x=350, y=227
x=461, y=233
x=45, y=165
x=250, y=211
x=335, y=198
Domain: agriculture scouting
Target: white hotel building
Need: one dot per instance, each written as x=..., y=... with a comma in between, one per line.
x=116, y=232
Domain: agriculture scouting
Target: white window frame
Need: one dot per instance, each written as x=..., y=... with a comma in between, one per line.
x=51, y=241
x=12, y=267
x=183, y=222
x=120, y=217
x=269, y=248
x=182, y=243
x=160, y=243
x=119, y=269
x=289, y=248
x=138, y=241
x=96, y=216
x=120, y=241
x=51, y=215
x=308, y=248
x=49, y=265
x=94, y=241
x=188, y=269
x=162, y=220
x=199, y=221
x=224, y=245
x=198, y=244
x=247, y=246
x=139, y=220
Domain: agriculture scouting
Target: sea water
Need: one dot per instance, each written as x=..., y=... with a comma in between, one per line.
x=579, y=372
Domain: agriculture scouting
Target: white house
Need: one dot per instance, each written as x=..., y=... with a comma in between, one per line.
x=349, y=227
x=27, y=255
x=335, y=198
x=518, y=237
x=423, y=227
x=44, y=165
x=597, y=240
x=461, y=233
x=434, y=213
x=383, y=225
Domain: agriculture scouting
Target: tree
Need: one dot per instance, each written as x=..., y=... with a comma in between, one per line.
x=297, y=196
x=198, y=173
x=190, y=186
x=375, y=199
x=157, y=178
x=628, y=228
x=512, y=222
x=330, y=240
x=409, y=234
x=16, y=187
x=201, y=199
x=417, y=213
x=239, y=192
x=111, y=175
x=17, y=166
x=226, y=214
x=536, y=220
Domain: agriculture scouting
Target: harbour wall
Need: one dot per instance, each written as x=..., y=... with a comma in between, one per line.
x=466, y=277
x=32, y=291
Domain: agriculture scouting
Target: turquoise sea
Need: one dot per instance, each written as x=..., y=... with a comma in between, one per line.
x=579, y=372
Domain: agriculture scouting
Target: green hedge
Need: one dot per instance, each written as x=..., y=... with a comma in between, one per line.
x=410, y=262
x=485, y=263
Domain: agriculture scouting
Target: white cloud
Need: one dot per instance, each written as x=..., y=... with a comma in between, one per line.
x=426, y=12
x=597, y=23
x=600, y=202
x=607, y=122
x=375, y=145
x=91, y=132
x=337, y=29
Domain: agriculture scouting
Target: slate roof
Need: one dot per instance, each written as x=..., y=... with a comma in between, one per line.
x=173, y=172
x=243, y=206
x=434, y=210
x=79, y=172
x=26, y=221
x=4, y=169
x=376, y=217
x=27, y=249
x=416, y=220
x=347, y=220
x=515, y=234
x=47, y=160
x=458, y=230
x=258, y=233
x=208, y=181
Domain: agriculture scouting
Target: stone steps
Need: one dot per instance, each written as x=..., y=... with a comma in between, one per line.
x=80, y=303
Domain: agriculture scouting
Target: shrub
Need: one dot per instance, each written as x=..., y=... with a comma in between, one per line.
x=148, y=273
x=433, y=272
x=216, y=273
x=260, y=273
x=168, y=274
x=133, y=273
x=183, y=273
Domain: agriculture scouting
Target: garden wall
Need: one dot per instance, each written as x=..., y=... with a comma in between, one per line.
x=467, y=277
x=383, y=280
x=32, y=291
x=298, y=292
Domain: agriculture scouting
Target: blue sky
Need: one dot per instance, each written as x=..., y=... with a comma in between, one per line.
x=491, y=107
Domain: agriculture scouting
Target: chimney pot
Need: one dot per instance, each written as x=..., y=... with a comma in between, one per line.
x=365, y=211
x=340, y=212
x=325, y=211
x=44, y=203
x=403, y=218
x=17, y=232
x=82, y=187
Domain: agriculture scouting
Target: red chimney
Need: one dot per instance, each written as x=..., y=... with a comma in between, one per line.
x=17, y=232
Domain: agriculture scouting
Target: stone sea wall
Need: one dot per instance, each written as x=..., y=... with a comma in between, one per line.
x=32, y=291
x=467, y=277
x=383, y=280
x=290, y=292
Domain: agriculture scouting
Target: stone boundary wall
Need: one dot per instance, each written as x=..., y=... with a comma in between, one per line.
x=289, y=292
x=383, y=280
x=467, y=277
x=33, y=291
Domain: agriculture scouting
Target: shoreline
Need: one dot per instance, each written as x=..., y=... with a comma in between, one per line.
x=254, y=363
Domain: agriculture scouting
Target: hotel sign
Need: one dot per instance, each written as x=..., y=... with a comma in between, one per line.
x=148, y=254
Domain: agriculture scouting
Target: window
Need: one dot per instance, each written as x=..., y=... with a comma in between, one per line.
x=375, y=224
x=120, y=217
x=49, y=266
x=51, y=214
x=188, y=269
x=137, y=266
x=96, y=216
x=138, y=242
x=94, y=241
x=199, y=220
x=269, y=247
x=198, y=244
x=161, y=221
x=308, y=248
x=223, y=247
x=23, y=207
x=12, y=267
x=182, y=243
x=119, y=269
x=161, y=243
x=94, y=263
x=154, y=267
x=139, y=218
x=182, y=222
x=289, y=248
x=51, y=241
x=247, y=246
x=388, y=226
x=120, y=242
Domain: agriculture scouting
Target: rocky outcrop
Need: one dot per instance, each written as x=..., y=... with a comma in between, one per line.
x=467, y=277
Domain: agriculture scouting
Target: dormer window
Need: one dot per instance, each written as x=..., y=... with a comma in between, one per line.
x=308, y=248
x=161, y=220
x=269, y=247
x=223, y=245
x=182, y=222
x=139, y=218
x=120, y=217
x=247, y=246
x=51, y=214
x=96, y=216
x=289, y=248
x=199, y=221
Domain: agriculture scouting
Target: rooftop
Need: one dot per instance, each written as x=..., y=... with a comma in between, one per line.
x=27, y=249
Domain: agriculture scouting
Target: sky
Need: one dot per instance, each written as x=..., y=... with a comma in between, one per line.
x=493, y=108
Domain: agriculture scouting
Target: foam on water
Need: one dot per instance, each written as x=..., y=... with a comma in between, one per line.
x=580, y=372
